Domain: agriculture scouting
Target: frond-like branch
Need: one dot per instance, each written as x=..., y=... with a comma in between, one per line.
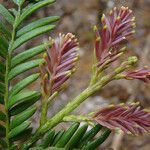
x=60, y=63
x=128, y=117
x=141, y=74
x=115, y=28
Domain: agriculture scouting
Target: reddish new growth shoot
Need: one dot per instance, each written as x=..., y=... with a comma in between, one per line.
x=141, y=74
x=128, y=117
x=60, y=62
x=115, y=29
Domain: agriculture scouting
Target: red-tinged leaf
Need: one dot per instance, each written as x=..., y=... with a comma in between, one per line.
x=115, y=28
x=141, y=74
x=130, y=118
x=60, y=61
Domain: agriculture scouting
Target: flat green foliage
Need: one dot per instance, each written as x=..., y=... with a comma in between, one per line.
x=19, y=2
x=75, y=137
x=22, y=117
x=95, y=143
x=29, y=35
x=15, y=97
x=4, y=30
x=22, y=57
x=6, y=14
x=24, y=67
x=15, y=131
x=29, y=10
x=22, y=97
x=23, y=83
x=37, y=24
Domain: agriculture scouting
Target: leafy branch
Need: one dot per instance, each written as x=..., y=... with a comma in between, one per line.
x=115, y=29
x=17, y=104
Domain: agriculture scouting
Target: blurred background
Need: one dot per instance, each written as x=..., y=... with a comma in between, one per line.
x=78, y=17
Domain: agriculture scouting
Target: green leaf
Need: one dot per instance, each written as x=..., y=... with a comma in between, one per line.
x=89, y=135
x=36, y=148
x=2, y=116
x=26, y=134
x=36, y=24
x=27, y=55
x=2, y=130
x=98, y=141
x=2, y=87
x=2, y=67
x=2, y=78
x=24, y=67
x=13, y=147
x=14, y=132
x=55, y=148
x=13, y=11
x=75, y=138
x=67, y=135
x=23, y=106
x=58, y=136
x=3, y=43
x=48, y=139
x=1, y=99
x=3, y=47
x=23, y=97
x=3, y=143
x=3, y=52
x=27, y=12
x=29, y=35
x=19, y=2
x=22, y=117
x=4, y=30
x=23, y=83
x=6, y=14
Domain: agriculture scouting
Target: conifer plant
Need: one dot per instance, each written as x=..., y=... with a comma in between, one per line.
x=59, y=61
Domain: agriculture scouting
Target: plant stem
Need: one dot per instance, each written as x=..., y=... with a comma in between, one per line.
x=60, y=115
x=7, y=82
x=67, y=109
x=44, y=108
x=45, y=103
x=6, y=97
x=51, y=98
x=80, y=118
x=77, y=101
x=6, y=101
